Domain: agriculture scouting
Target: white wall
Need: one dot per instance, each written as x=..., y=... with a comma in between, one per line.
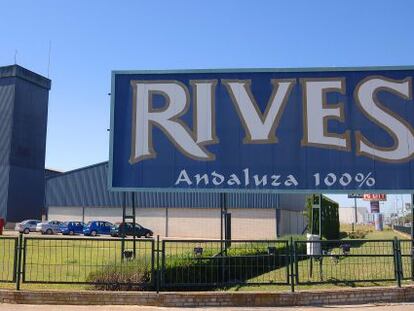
x=194, y=222
x=65, y=213
x=291, y=222
x=347, y=215
x=253, y=223
x=247, y=223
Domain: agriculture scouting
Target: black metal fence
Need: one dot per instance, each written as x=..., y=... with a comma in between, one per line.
x=192, y=264
x=8, y=259
x=402, y=229
x=346, y=261
x=88, y=261
x=406, y=249
x=201, y=264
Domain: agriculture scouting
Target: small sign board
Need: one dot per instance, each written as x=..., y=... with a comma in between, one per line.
x=375, y=207
x=355, y=196
x=375, y=197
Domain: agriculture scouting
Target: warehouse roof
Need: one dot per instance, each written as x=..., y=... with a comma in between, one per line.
x=87, y=187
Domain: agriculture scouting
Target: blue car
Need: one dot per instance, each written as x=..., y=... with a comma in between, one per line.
x=94, y=228
x=72, y=227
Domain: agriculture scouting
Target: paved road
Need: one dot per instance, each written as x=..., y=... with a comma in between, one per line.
x=389, y=307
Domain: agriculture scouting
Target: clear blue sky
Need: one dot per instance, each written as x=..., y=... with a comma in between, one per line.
x=91, y=38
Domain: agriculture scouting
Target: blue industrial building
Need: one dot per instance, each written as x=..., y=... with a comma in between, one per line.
x=83, y=195
x=23, y=123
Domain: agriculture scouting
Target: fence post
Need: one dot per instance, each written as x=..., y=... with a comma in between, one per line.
x=19, y=260
x=291, y=259
x=400, y=262
x=163, y=263
x=16, y=252
x=295, y=258
x=412, y=259
x=158, y=265
x=397, y=258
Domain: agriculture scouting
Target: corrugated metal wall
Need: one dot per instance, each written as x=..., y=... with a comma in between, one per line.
x=6, y=121
x=88, y=187
x=27, y=151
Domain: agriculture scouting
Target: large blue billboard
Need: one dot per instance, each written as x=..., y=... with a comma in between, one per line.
x=309, y=130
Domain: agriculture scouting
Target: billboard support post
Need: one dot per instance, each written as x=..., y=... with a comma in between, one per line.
x=123, y=227
x=134, y=235
x=223, y=234
x=355, y=215
x=320, y=215
x=221, y=222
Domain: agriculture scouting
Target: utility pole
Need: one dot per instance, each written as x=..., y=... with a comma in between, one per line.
x=355, y=196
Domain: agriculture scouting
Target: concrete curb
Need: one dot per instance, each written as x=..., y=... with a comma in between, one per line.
x=212, y=299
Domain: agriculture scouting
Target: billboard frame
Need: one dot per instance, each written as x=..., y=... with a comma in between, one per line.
x=239, y=70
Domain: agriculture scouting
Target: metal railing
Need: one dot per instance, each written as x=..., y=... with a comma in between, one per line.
x=202, y=264
x=406, y=248
x=345, y=261
x=97, y=261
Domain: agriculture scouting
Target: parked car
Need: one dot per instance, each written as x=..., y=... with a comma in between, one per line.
x=129, y=229
x=49, y=227
x=72, y=227
x=94, y=228
x=27, y=226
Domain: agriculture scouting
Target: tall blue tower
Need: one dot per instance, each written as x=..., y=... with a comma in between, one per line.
x=24, y=99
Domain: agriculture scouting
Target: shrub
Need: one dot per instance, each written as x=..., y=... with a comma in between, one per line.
x=130, y=275
x=359, y=234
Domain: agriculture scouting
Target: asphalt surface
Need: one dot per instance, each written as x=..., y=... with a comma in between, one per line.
x=385, y=307
x=59, y=236
x=10, y=232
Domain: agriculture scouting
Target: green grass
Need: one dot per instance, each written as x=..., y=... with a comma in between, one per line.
x=73, y=260
x=357, y=227
x=387, y=234
x=371, y=233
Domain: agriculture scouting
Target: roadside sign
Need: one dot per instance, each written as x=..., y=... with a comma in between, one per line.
x=375, y=207
x=375, y=197
x=308, y=130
